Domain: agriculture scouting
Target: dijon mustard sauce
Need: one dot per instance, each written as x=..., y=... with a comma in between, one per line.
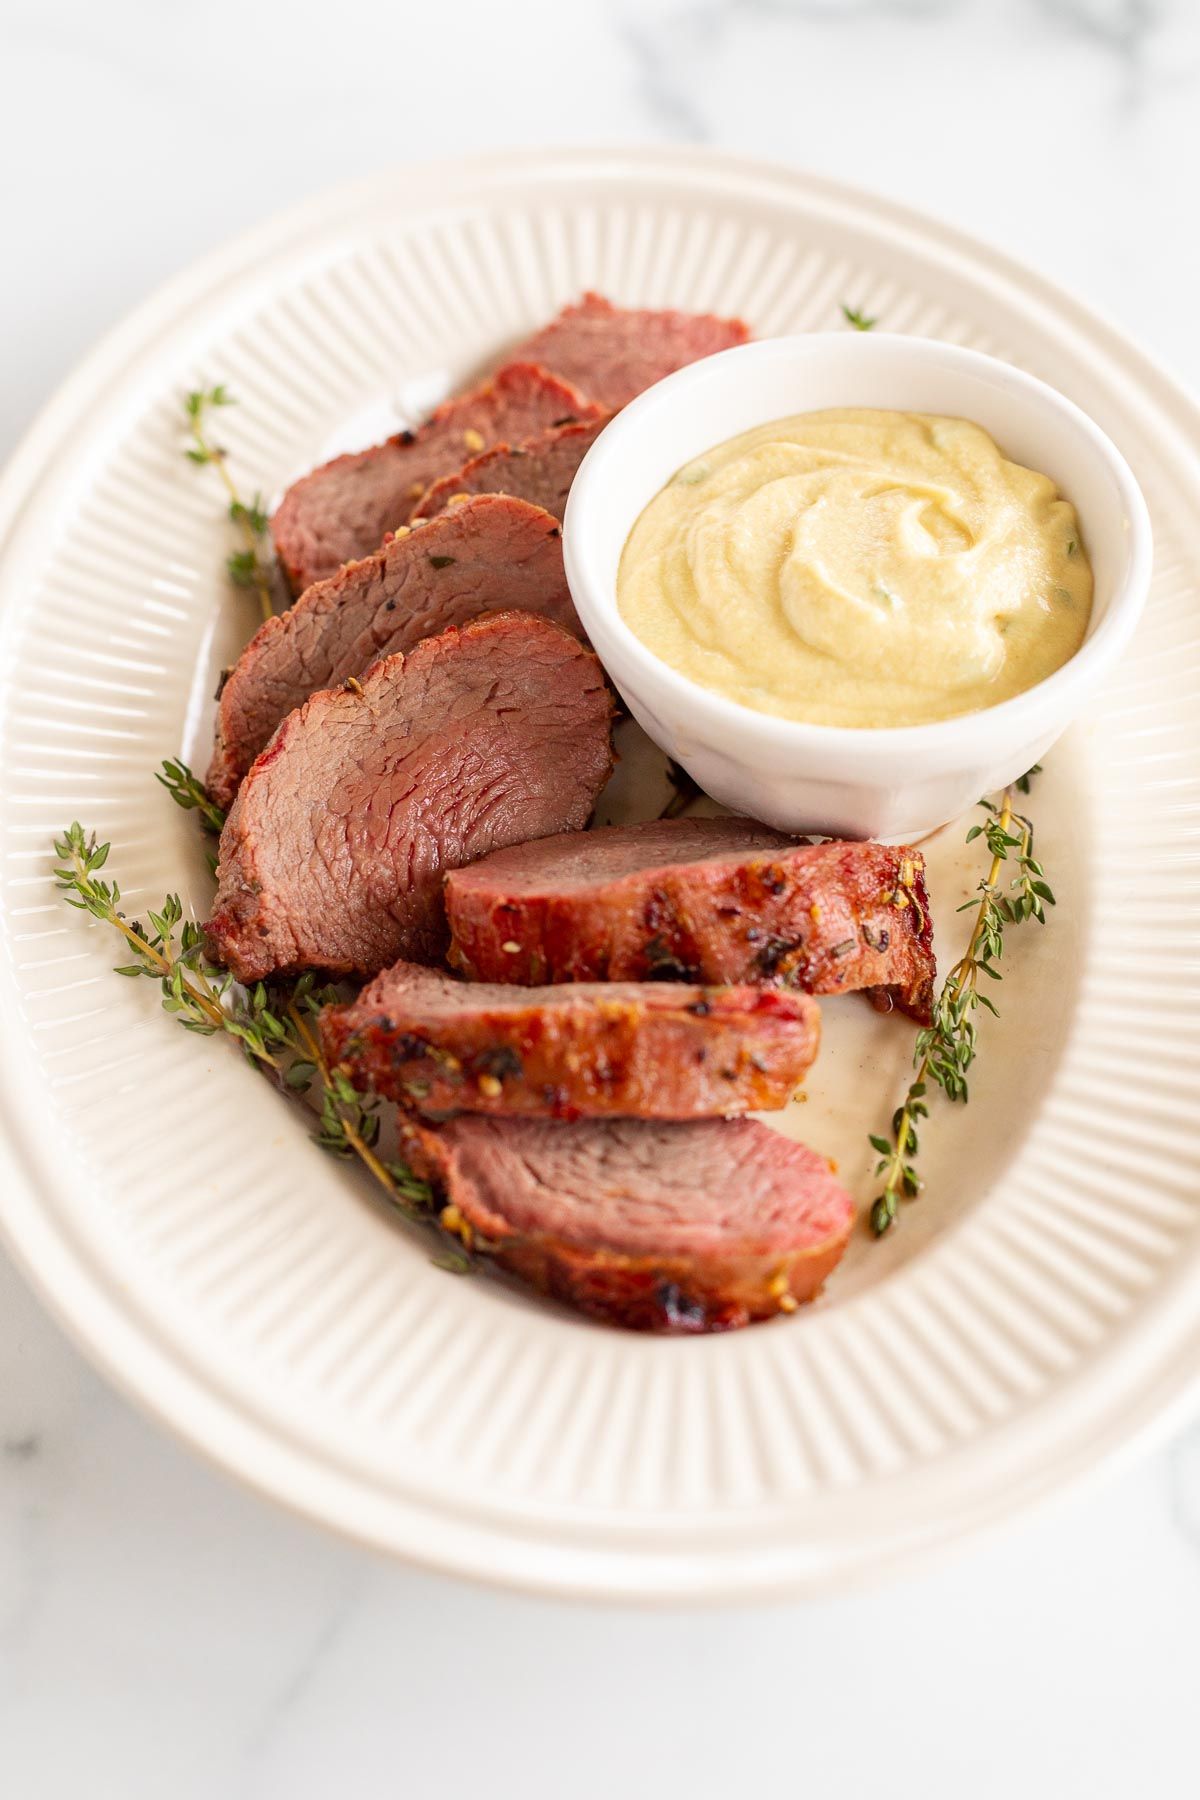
x=861, y=568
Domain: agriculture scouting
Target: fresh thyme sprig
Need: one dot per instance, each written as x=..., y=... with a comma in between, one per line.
x=246, y=567
x=170, y=949
x=349, y=1126
x=273, y=1026
x=350, y=1122
x=187, y=790
x=946, y=1048
x=861, y=321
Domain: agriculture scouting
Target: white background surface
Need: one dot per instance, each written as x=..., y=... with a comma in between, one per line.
x=160, y=1631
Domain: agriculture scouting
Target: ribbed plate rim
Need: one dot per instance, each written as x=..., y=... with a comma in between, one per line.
x=210, y=1421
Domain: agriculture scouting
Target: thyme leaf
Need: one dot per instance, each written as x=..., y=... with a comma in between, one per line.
x=188, y=791
x=861, y=321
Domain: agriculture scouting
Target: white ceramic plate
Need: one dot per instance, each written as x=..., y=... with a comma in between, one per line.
x=1039, y=1308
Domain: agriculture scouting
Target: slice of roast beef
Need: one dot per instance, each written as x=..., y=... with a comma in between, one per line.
x=710, y=900
x=345, y=508
x=540, y=470
x=491, y=554
x=641, y=1050
x=611, y=353
x=685, y=1228
x=334, y=853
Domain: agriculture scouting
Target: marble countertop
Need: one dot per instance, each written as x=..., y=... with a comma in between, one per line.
x=160, y=1630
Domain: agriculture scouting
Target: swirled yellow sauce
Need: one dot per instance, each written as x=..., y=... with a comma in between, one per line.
x=858, y=567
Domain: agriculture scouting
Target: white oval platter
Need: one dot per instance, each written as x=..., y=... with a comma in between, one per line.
x=1039, y=1310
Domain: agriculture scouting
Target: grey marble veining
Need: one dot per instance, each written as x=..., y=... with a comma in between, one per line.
x=666, y=99
x=1123, y=26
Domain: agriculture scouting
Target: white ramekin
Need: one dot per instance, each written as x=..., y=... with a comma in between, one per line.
x=898, y=782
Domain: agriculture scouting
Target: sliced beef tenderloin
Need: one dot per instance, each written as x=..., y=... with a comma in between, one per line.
x=685, y=1228
x=710, y=900
x=491, y=554
x=642, y=1050
x=540, y=470
x=611, y=353
x=334, y=853
x=345, y=508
